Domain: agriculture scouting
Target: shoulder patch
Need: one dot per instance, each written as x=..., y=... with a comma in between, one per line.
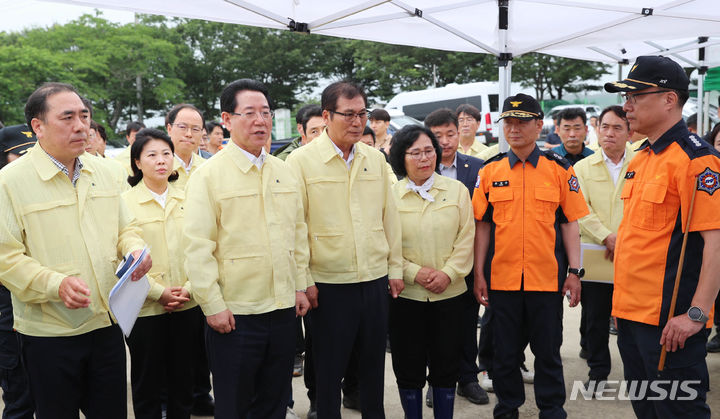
x=708, y=181
x=562, y=161
x=574, y=184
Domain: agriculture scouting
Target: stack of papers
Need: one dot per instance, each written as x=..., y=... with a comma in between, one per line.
x=127, y=296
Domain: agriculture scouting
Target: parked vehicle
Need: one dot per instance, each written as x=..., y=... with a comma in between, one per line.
x=483, y=95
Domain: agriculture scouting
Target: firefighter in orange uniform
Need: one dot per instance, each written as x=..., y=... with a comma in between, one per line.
x=667, y=169
x=527, y=256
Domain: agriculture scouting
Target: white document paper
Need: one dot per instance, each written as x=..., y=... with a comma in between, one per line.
x=127, y=296
x=597, y=268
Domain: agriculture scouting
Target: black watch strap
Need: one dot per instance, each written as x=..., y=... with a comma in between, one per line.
x=579, y=272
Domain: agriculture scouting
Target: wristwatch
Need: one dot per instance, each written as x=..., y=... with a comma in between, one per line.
x=696, y=314
x=579, y=272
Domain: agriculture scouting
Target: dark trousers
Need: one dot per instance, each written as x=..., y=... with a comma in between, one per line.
x=13, y=379
x=485, y=343
x=639, y=346
x=201, y=387
x=468, y=336
x=596, y=300
x=426, y=334
x=84, y=373
x=347, y=316
x=520, y=317
x=252, y=365
x=163, y=349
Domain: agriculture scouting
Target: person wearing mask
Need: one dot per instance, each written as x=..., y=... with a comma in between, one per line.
x=161, y=353
x=438, y=232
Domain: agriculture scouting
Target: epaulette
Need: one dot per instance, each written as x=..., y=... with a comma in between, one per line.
x=499, y=156
x=695, y=146
x=562, y=161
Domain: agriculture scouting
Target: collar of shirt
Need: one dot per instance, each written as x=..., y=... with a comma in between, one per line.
x=678, y=130
x=350, y=158
x=64, y=169
x=258, y=161
x=424, y=189
x=532, y=158
x=450, y=171
x=613, y=168
x=182, y=163
x=160, y=198
x=561, y=150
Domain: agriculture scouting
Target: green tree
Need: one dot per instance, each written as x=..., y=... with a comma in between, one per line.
x=556, y=75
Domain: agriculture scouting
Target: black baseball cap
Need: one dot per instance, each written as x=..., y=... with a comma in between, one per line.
x=521, y=106
x=651, y=71
x=16, y=139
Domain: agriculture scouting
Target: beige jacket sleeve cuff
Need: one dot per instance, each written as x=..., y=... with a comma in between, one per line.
x=410, y=271
x=53, y=289
x=450, y=272
x=214, y=307
x=156, y=291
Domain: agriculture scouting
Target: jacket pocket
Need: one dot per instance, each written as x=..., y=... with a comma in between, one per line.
x=651, y=214
x=502, y=201
x=547, y=201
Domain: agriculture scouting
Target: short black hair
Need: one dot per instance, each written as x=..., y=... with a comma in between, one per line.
x=711, y=136
x=404, y=139
x=228, y=97
x=369, y=131
x=379, y=115
x=301, y=112
x=683, y=96
x=170, y=117
x=210, y=126
x=346, y=89
x=692, y=121
x=441, y=117
x=141, y=138
x=88, y=105
x=470, y=110
x=133, y=126
x=311, y=111
x=617, y=110
x=36, y=105
x=569, y=114
x=101, y=130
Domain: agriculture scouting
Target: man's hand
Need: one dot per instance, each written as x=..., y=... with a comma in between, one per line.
x=312, y=295
x=302, y=304
x=74, y=292
x=396, y=287
x=143, y=267
x=423, y=276
x=438, y=282
x=677, y=330
x=222, y=322
x=174, y=298
x=480, y=289
x=572, y=284
x=609, y=242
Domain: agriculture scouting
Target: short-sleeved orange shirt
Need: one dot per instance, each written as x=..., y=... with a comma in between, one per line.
x=525, y=203
x=659, y=184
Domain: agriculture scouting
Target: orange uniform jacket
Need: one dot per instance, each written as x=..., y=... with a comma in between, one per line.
x=525, y=204
x=658, y=188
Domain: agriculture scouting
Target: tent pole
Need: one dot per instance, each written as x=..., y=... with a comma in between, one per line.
x=702, y=69
x=504, y=66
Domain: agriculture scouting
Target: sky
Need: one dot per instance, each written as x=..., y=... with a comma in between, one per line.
x=21, y=14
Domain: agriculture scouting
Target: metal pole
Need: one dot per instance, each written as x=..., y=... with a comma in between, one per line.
x=504, y=66
x=702, y=69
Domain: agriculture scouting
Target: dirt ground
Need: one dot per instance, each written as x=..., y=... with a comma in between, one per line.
x=574, y=368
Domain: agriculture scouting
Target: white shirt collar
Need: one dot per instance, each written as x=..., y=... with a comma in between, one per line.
x=424, y=189
x=453, y=165
x=350, y=158
x=182, y=163
x=608, y=161
x=258, y=161
x=160, y=198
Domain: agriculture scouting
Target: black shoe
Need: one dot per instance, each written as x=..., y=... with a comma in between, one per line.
x=613, y=329
x=473, y=392
x=584, y=354
x=298, y=367
x=510, y=415
x=713, y=344
x=429, y=397
x=203, y=406
x=350, y=401
x=597, y=384
x=312, y=413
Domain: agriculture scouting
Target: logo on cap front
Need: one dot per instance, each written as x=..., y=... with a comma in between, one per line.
x=515, y=104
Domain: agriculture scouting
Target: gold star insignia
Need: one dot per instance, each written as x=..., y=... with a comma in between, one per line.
x=27, y=133
x=634, y=67
x=515, y=104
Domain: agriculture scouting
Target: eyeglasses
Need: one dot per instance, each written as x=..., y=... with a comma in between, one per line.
x=418, y=154
x=350, y=116
x=185, y=127
x=631, y=99
x=250, y=116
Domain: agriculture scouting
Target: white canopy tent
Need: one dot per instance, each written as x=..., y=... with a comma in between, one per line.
x=613, y=31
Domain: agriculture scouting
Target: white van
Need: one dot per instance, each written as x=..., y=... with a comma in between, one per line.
x=483, y=95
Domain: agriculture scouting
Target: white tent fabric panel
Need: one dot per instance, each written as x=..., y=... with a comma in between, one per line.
x=582, y=29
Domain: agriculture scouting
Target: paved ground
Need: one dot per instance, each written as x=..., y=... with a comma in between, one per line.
x=574, y=367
